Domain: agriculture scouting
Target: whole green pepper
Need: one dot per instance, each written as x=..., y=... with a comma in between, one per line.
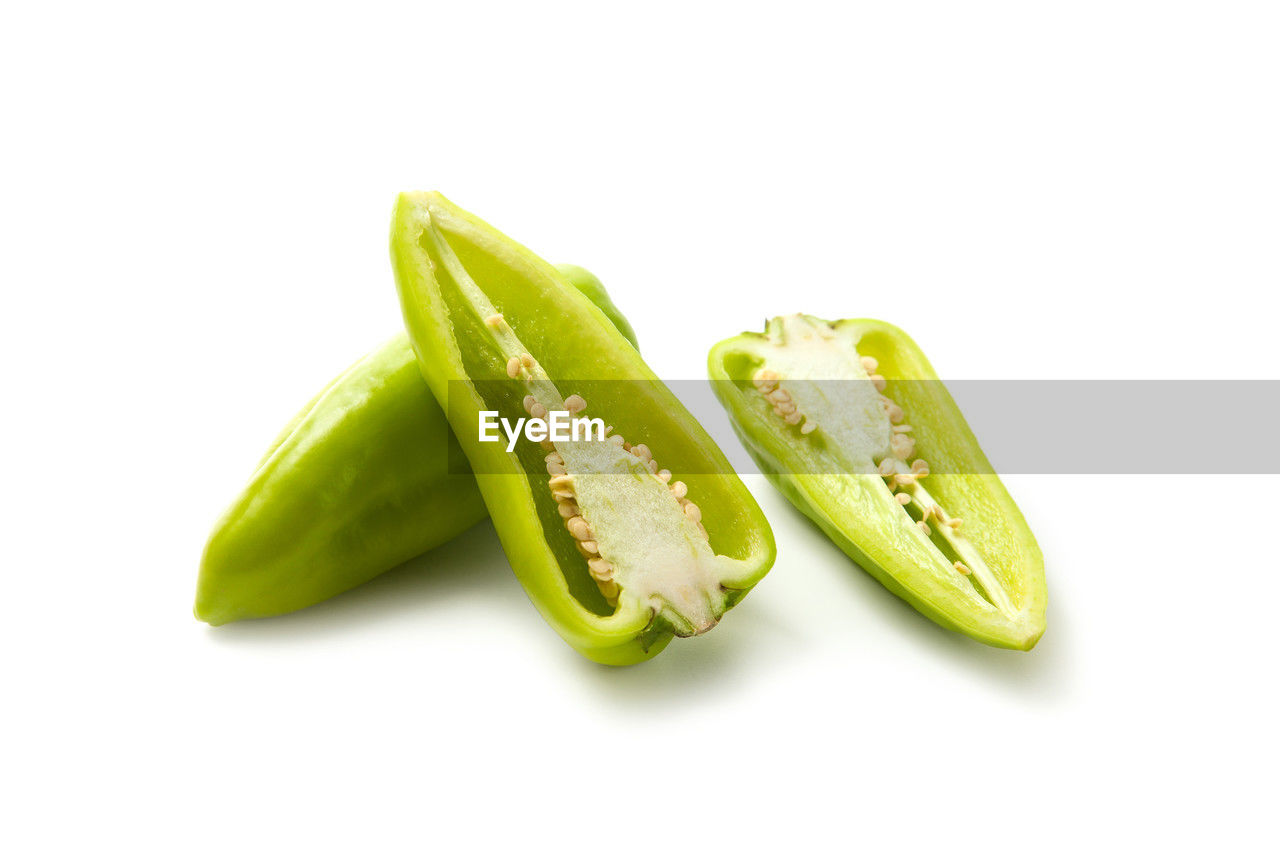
x=615, y=555
x=847, y=419
x=366, y=476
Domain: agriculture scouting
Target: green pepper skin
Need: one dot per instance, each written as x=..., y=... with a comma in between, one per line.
x=358, y=482
x=434, y=246
x=858, y=512
x=592, y=288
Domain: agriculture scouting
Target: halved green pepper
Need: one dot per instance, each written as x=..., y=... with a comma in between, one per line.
x=850, y=422
x=366, y=476
x=614, y=553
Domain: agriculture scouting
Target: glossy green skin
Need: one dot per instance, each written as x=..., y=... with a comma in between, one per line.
x=592, y=288
x=357, y=483
x=571, y=339
x=858, y=512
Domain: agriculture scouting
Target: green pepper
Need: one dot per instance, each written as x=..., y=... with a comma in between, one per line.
x=616, y=555
x=850, y=422
x=366, y=476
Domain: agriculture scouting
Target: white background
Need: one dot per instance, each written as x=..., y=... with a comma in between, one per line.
x=194, y=209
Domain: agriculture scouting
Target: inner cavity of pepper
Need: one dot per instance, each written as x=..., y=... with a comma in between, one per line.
x=633, y=527
x=816, y=383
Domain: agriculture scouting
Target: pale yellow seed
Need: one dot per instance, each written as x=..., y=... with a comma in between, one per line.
x=555, y=469
x=610, y=590
x=779, y=396
x=703, y=531
x=903, y=479
x=652, y=465
x=578, y=528
x=642, y=451
x=529, y=402
x=901, y=427
x=879, y=382
x=513, y=367
x=954, y=523
x=574, y=404
x=589, y=547
x=601, y=569
x=809, y=427
x=679, y=489
x=869, y=364
x=555, y=456
x=618, y=440
x=903, y=498
x=527, y=360
x=692, y=512
x=886, y=467
x=764, y=374
x=962, y=568
x=902, y=446
x=563, y=494
x=924, y=528
x=538, y=411
x=547, y=444
x=785, y=408
x=493, y=320
x=567, y=509
x=664, y=475
x=794, y=418
x=896, y=414
x=560, y=481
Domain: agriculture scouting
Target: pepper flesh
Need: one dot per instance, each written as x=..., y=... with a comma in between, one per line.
x=498, y=327
x=366, y=476
x=833, y=414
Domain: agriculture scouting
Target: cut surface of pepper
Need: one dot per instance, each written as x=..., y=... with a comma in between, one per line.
x=618, y=552
x=366, y=476
x=849, y=421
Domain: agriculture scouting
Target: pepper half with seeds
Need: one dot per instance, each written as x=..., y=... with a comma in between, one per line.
x=366, y=476
x=613, y=551
x=850, y=422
